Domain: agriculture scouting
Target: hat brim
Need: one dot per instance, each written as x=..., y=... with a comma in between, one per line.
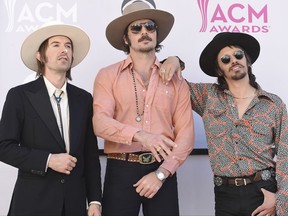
x=30, y=46
x=115, y=30
x=208, y=56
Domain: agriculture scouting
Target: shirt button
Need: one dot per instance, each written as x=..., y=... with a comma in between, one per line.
x=147, y=105
x=146, y=122
x=62, y=181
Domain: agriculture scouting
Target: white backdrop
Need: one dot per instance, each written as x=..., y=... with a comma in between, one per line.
x=196, y=23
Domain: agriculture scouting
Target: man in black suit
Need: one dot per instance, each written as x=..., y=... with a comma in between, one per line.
x=46, y=130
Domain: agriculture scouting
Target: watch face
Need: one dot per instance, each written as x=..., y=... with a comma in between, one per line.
x=160, y=175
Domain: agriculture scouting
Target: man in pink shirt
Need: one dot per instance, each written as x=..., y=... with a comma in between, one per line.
x=147, y=125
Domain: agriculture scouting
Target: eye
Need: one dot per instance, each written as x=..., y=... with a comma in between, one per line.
x=225, y=59
x=136, y=28
x=151, y=26
x=239, y=54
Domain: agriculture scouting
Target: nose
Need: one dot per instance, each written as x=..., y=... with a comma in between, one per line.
x=143, y=30
x=65, y=50
x=233, y=59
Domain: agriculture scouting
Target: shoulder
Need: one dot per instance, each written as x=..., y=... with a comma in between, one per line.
x=29, y=86
x=209, y=87
x=78, y=91
x=272, y=97
x=112, y=69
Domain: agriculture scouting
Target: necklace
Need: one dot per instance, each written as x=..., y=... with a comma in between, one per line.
x=138, y=117
x=243, y=98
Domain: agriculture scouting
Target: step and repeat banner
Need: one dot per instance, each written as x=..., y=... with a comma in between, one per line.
x=196, y=23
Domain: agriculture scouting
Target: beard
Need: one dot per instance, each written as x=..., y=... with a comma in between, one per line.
x=146, y=49
x=239, y=75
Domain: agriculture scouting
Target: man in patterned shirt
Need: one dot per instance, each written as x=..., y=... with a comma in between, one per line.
x=245, y=128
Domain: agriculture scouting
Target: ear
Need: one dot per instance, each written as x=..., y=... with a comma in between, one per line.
x=125, y=40
x=38, y=57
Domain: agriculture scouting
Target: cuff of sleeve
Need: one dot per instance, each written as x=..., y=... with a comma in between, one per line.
x=95, y=202
x=47, y=162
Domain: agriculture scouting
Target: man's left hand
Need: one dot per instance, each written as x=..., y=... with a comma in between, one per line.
x=148, y=185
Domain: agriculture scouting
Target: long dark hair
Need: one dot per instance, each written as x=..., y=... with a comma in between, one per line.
x=222, y=84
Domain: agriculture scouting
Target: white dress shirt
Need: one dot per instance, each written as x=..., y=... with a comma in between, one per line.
x=64, y=110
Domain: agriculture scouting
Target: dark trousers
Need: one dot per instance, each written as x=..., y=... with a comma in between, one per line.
x=121, y=199
x=231, y=200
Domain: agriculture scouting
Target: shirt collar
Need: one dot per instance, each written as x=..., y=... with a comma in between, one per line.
x=51, y=88
x=128, y=63
x=259, y=93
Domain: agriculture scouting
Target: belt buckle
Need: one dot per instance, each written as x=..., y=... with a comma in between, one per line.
x=146, y=158
x=239, y=179
x=218, y=181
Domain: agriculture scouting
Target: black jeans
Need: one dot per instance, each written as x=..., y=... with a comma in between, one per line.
x=231, y=200
x=121, y=199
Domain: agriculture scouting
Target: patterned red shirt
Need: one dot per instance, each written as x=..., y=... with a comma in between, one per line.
x=241, y=147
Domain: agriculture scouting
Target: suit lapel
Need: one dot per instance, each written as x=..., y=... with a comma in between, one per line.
x=40, y=100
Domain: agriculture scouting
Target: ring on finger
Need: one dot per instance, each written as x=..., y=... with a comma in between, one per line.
x=158, y=148
x=162, y=70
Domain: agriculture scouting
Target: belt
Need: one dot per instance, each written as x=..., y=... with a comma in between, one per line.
x=243, y=181
x=142, y=158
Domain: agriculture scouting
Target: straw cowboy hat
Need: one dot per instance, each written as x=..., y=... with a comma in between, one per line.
x=30, y=46
x=208, y=56
x=135, y=10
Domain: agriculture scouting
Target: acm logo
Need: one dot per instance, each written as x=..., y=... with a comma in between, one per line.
x=24, y=17
x=233, y=17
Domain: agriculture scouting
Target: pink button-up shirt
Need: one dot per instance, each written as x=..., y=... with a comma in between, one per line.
x=167, y=111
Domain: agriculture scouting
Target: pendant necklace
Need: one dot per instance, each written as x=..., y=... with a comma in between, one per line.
x=138, y=117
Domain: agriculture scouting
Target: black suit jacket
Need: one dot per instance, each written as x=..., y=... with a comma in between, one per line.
x=29, y=133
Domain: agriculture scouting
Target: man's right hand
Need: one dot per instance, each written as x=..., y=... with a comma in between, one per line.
x=268, y=207
x=63, y=163
x=156, y=143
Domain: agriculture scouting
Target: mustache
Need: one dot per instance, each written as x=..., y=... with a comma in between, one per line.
x=145, y=37
x=237, y=64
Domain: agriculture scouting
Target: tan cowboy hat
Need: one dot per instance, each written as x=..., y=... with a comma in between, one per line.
x=209, y=55
x=135, y=10
x=30, y=46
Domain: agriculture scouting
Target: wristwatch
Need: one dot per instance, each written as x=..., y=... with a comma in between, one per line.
x=160, y=175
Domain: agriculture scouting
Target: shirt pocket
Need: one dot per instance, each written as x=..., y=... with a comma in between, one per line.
x=262, y=133
x=215, y=121
x=164, y=98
